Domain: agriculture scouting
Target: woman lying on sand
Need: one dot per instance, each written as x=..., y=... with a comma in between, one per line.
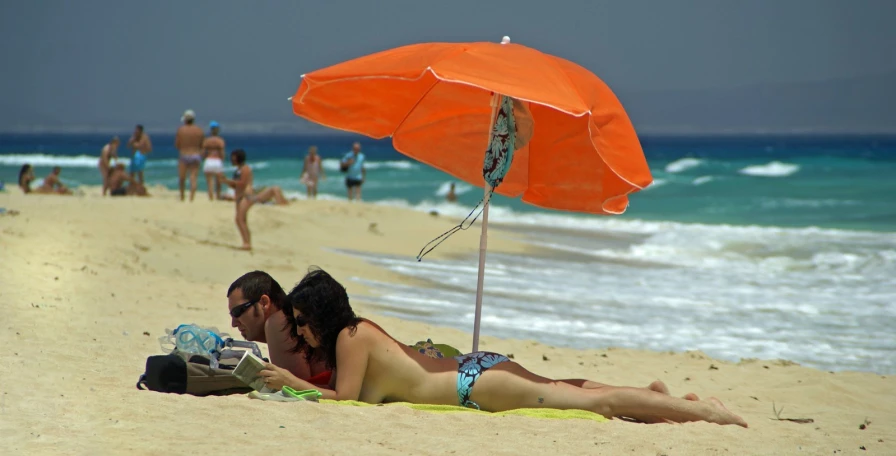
x=372, y=367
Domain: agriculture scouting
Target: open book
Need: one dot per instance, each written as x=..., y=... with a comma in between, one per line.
x=247, y=371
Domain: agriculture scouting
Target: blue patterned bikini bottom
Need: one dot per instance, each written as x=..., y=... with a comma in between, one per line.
x=469, y=368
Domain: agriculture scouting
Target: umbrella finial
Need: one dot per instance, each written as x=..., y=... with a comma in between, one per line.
x=505, y=40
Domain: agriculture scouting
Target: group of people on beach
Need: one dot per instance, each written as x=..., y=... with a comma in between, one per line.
x=316, y=341
x=197, y=150
x=51, y=184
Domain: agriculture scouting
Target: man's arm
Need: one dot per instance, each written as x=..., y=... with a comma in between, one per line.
x=177, y=139
x=147, y=144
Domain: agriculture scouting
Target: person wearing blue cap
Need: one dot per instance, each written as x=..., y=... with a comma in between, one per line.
x=213, y=151
x=142, y=146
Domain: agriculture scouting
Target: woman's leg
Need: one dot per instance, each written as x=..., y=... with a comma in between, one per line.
x=217, y=187
x=242, y=222
x=271, y=192
x=104, y=173
x=657, y=386
x=210, y=181
x=508, y=386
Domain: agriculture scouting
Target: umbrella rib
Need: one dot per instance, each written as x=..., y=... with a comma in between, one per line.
x=590, y=118
x=408, y=114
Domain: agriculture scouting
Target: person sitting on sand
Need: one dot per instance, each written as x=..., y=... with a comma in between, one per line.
x=245, y=197
x=255, y=303
x=52, y=184
x=26, y=177
x=117, y=178
x=371, y=366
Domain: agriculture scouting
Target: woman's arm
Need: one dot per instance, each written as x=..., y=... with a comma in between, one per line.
x=352, y=353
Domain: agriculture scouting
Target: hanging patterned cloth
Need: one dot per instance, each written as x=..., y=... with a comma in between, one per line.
x=506, y=137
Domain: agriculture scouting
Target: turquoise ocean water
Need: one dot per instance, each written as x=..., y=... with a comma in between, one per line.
x=767, y=247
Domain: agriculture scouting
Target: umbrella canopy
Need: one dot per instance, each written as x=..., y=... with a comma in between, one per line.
x=506, y=117
x=435, y=101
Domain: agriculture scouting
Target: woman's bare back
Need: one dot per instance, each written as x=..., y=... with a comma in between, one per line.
x=398, y=373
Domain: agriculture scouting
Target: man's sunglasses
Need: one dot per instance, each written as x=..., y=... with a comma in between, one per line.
x=239, y=310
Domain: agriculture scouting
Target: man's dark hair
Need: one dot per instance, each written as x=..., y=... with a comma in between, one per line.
x=255, y=284
x=57, y=169
x=240, y=156
x=140, y=127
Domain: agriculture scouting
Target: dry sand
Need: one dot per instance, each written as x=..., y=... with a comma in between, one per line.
x=88, y=285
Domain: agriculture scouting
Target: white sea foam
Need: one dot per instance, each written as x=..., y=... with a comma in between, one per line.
x=683, y=164
x=771, y=169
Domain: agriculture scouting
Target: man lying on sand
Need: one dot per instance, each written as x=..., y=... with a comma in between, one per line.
x=117, y=177
x=371, y=366
x=255, y=302
x=53, y=185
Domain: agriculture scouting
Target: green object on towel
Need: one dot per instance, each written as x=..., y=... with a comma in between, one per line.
x=436, y=350
x=546, y=413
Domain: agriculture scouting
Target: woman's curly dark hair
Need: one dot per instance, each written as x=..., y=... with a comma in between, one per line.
x=323, y=302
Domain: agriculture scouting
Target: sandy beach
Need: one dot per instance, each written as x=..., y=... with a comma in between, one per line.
x=89, y=284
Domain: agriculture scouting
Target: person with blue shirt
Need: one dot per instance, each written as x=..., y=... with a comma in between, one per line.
x=352, y=165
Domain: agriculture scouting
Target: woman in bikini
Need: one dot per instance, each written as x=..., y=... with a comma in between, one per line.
x=312, y=172
x=244, y=196
x=26, y=177
x=372, y=367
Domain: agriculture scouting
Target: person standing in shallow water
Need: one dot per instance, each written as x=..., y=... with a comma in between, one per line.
x=312, y=172
x=352, y=164
x=213, y=149
x=142, y=146
x=188, y=142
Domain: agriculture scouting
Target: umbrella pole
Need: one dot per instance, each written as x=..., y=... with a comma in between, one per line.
x=483, y=243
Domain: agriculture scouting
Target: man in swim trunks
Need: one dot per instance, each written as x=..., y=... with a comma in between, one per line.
x=109, y=152
x=355, y=172
x=255, y=303
x=188, y=142
x=213, y=150
x=142, y=146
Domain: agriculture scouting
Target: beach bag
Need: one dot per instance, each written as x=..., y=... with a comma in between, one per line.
x=187, y=373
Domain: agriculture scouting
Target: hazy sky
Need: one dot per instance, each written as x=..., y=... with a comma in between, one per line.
x=118, y=62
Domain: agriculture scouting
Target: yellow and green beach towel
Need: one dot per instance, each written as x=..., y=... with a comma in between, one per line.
x=545, y=413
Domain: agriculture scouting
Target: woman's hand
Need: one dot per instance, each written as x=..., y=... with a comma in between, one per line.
x=277, y=377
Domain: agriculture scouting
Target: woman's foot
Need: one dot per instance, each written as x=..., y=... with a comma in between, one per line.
x=723, y=415
x=246, y=247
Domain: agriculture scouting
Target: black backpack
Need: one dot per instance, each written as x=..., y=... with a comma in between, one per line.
x=187, y=373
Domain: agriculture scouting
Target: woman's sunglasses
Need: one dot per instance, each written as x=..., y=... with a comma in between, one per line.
x=239, y=310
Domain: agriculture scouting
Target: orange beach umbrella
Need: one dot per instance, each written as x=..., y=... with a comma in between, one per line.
x=504, y=117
